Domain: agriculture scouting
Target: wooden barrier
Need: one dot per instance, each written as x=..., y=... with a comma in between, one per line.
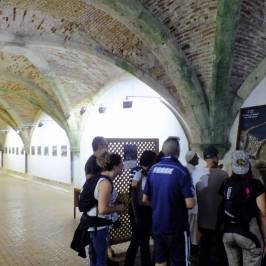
x=76, y=200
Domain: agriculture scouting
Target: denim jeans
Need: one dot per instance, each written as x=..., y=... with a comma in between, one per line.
x=98, y=247
x=241, y=250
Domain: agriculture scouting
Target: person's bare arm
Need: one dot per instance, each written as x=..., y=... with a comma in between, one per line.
x=190, y=203
x=134, y=183
x=146, y=199
x=262, y=208
x=105, y=190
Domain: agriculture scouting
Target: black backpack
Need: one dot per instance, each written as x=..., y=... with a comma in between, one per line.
x=86, y=196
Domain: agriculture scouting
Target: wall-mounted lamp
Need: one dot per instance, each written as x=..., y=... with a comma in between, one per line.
x=127, y=104
x=82, y=110
x=40, y=124
x=101, y=109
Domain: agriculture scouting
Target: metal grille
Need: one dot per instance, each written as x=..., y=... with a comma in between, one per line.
x=122, y=182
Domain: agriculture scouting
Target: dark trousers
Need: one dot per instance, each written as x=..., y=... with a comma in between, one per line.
x=172, y=248
x=211, y=248
x=140, y=238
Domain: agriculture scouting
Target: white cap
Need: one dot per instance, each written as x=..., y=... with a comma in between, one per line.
x=190, y=155
x=240, y=162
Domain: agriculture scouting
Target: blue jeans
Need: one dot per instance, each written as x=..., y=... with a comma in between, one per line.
x=241, y=250
x=98, y=247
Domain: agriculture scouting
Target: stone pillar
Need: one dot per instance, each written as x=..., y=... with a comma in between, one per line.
x=75, y=169
x=26, y=162
x=2, y=158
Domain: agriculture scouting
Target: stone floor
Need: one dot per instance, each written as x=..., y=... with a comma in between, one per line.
x=36, y=224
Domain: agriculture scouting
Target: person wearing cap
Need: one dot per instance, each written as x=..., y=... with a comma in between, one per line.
x=99, y=145
x=244, y=206
x=170, y=192
x=192, y=160
x=211, y=247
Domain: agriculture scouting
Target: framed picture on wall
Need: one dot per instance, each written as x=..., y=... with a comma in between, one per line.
x=39, y=150
x=13, y=150
x=251, y=135
x=64, y=150
x=54, y=150
x=46, y=151
x=32, y=150
x=17, y=151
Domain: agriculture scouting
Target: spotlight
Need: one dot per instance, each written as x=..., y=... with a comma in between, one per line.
x=40, y=124
x=127, y=104
x=101, y=109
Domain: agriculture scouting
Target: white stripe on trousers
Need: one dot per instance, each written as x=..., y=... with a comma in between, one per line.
x=187, y=248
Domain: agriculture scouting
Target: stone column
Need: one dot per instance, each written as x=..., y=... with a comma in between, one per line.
x=2, y=158
x=75, y=168
x=26, y=162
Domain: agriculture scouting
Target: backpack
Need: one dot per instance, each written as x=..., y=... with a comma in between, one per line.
x=86, y=196
x=237, y=202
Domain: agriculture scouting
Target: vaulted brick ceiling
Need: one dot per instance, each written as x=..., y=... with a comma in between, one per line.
x=202, y=56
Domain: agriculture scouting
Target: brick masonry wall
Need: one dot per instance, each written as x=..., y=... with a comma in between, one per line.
x=250, y=44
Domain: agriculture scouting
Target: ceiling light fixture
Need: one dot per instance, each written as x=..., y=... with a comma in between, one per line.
x=101, y=109
x=40, y=124
x=127, y=104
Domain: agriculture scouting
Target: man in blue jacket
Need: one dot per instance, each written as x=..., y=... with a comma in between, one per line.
x=170, y=192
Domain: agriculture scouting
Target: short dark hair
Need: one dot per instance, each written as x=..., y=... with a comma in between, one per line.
x=147, y=158
x=210, y=152
x=96, y=142
x=171, y=146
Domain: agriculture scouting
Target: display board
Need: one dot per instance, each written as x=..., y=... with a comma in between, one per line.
x=127, y=148
x=252, y=132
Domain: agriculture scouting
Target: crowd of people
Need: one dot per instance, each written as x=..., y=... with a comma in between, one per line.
x=205, y=214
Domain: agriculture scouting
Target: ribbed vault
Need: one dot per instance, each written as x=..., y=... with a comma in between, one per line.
x=201, y=56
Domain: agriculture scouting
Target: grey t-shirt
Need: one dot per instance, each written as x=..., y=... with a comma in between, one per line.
x=208, y=197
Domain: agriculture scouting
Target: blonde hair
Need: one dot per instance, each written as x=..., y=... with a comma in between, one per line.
x=107, y=160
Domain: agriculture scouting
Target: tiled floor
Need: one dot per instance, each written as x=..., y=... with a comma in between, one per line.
x=36, y=224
